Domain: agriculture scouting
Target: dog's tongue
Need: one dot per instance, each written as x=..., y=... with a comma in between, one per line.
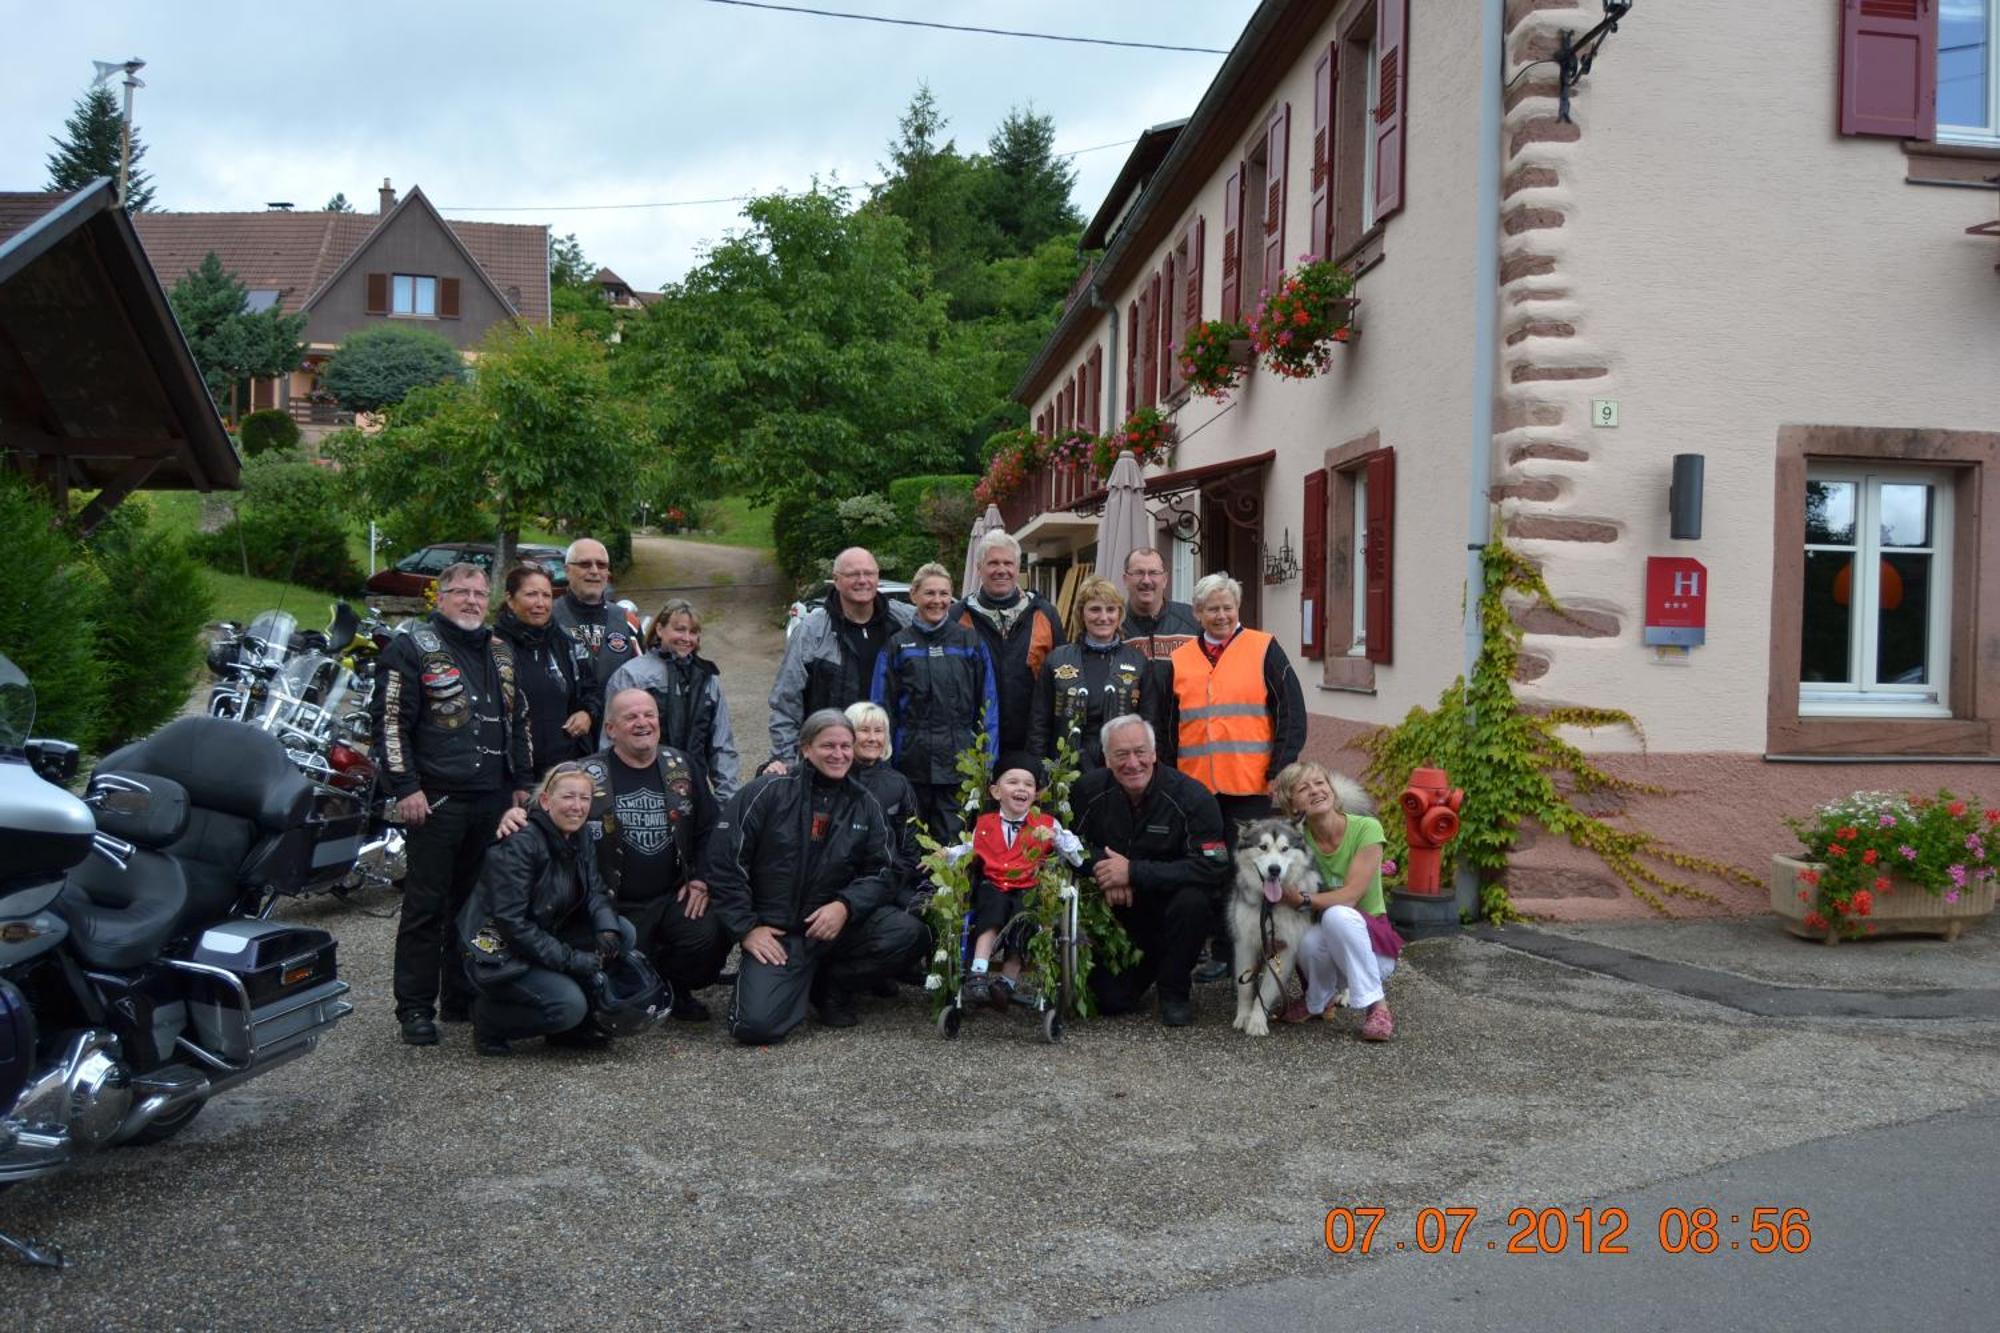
x=1274, y=889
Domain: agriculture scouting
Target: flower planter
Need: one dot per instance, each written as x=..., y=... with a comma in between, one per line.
x=1909, y=910
x=1241, y=352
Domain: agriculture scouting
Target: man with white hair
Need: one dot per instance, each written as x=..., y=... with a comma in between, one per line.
x=607, y=630
x=830, y=658
x=1153, y=836
x=1019, y=629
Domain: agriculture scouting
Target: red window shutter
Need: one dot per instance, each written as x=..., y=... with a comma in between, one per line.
x=1149, y=387
x=447, y=298
x=1170, y=327
x=1888, y=68
x=1392, y=27
x=1320, y=239
x=1312, y=587
x=1132, y=359
x=1191, y=281
x=1093, y=412
x=1232, y=246
x=1277, y=156
x=378, y=294
x=1379, y=560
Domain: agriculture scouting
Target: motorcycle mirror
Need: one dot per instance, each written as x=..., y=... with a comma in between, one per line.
x=54, y=761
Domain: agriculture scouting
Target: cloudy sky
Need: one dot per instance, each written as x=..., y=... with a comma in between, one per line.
x=537, y=107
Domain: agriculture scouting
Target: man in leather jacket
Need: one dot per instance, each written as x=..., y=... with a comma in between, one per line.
x=607, y=630
x=830, y=658
x=1154, y=840
x=452, y=746
x=1019, y=628
x=798, y=873
x=650, y=817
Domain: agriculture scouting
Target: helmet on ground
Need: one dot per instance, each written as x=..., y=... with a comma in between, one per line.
x=628, y=996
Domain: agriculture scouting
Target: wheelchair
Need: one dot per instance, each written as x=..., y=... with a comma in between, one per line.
x=1048, y=997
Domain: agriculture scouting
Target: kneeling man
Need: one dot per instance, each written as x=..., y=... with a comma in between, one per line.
x=799, y=874
x=1154, y=839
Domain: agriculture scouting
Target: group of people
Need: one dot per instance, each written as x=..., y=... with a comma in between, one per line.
x=573, y=793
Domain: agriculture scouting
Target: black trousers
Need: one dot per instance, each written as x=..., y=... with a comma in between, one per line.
x=1234, y=808
x=687, y=951
x=444, y=856
x=541, y=1002
x=771, y=1000
x=1167, y=928
x=938, y=809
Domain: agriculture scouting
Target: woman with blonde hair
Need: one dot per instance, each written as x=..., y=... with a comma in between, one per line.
x=1087, y=682
x=694, y=717
x=1352, y=944
x=872, y=769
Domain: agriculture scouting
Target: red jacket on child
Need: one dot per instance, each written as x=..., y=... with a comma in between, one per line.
x=1011, y=868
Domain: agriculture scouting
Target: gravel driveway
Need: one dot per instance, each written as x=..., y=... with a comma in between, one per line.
x=883, y=1178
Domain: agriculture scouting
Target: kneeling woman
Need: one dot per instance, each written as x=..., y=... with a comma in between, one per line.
x=538, y=926
x=1352, y=944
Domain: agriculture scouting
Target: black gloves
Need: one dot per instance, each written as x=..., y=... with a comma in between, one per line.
x=610, y=944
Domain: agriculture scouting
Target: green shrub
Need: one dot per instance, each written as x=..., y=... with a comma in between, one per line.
x=153, y=603
x=262, y=432
x=906, y=493
x=936, y=519
x=288, y=526
x=374, y=368
x=47, y=615
x=806, y=533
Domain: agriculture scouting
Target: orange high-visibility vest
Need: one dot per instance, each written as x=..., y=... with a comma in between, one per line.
x=1225, y=717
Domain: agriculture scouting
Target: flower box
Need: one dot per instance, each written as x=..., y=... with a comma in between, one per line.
x=1906, y=909
x=1241, y=352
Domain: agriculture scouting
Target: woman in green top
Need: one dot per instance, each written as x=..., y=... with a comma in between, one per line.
x=1352, y=944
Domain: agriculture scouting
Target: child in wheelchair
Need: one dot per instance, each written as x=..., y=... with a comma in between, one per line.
x=1008, y=847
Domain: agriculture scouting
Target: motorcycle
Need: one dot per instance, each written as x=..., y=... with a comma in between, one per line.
x=139, y=974
x=311, y=690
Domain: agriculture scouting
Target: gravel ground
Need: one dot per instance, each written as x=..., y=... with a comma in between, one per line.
x=882, y=1178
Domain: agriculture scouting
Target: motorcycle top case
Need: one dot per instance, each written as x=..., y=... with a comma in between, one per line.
x=272, y=959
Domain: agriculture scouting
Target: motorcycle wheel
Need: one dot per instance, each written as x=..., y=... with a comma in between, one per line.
x=167, y=1126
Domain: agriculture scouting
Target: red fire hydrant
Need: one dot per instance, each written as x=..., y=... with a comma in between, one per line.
x=1430, y=820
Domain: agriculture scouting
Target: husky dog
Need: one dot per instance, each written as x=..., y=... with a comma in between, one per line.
x=1271, y=856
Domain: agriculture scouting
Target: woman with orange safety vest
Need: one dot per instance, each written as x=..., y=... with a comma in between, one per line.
x=1237, y=717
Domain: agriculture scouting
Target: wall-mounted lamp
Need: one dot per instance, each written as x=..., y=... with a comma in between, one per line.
x=1281, y=565
x=1684, y=498
x=1574, y=56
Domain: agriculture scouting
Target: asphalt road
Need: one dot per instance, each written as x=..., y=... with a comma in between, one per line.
x=882, y=1178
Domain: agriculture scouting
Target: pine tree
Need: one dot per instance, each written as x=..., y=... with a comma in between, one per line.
x=338, y=204
x=230, y=344
x=1028, y=188
x=90, y=150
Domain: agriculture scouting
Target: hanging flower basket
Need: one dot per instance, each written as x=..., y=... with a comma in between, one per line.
x=1881, y=863
x=1297, y=326
x=1214, y=356
x=1073, y=448
x=1146, y=435
x=1013, y=456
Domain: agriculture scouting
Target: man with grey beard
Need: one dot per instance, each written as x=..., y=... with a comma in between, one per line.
x=451, y=743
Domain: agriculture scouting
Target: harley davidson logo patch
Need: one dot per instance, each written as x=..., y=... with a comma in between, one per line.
x=1067, y=672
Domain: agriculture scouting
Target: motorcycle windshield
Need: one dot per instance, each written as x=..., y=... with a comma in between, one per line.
x=17, y=707
x=269, y=637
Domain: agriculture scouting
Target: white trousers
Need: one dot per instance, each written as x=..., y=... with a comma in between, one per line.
x=1336, y=953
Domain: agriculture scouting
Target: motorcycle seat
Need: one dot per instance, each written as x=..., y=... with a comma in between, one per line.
x=121, y=919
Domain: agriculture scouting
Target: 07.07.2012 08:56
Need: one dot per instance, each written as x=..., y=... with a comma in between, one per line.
x=1551, y=1230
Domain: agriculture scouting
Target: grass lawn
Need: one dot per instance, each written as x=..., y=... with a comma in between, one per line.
x=736, y=522
x=238, y=598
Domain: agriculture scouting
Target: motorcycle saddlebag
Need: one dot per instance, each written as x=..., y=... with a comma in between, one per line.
x=287, y=972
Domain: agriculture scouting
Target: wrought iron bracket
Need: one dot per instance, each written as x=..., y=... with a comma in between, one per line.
x=1576, y=54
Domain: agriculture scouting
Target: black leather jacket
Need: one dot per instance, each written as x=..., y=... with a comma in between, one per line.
x=449, y=714
x=554, y=669
x=1172, y=835
x=690, y=815
x=532, y=889
x=907, y=885
x=1081, y=688
x=607, y=631
x=762, y=867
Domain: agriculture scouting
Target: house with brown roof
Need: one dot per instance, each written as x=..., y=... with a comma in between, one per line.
x=618, y=293
x=350, y=271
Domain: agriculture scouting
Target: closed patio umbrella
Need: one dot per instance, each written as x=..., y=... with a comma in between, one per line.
x=990, y=521
x=1126, y=526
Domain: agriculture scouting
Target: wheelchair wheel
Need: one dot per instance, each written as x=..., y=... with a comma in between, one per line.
x=1052, y=1025
x=948, y=1021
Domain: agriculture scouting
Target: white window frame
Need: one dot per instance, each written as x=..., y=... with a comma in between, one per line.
x=1987, y=135
x=1359, y=648
x=415, y=285
x=1866, y=697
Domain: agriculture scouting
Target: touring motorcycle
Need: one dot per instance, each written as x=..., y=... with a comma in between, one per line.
x=139, y=976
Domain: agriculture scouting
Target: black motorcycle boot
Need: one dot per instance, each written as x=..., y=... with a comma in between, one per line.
x=419, y=1028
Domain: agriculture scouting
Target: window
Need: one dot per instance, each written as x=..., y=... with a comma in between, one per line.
x=1364, y=108
x=1968, y=71
x=1876, y=631
x=1359, y=584
x=1350, y=555
x=410, y=294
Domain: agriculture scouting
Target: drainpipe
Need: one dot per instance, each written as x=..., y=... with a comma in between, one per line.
x=1485, y=334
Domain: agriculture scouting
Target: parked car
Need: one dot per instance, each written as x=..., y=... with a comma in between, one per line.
x=416, y=571
x=889, y=588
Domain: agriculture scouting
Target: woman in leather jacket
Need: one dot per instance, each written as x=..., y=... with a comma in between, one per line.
x=556, y=676
x=694, y=716
x=538, y=926
x=872, y=769
x=1085, y=684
